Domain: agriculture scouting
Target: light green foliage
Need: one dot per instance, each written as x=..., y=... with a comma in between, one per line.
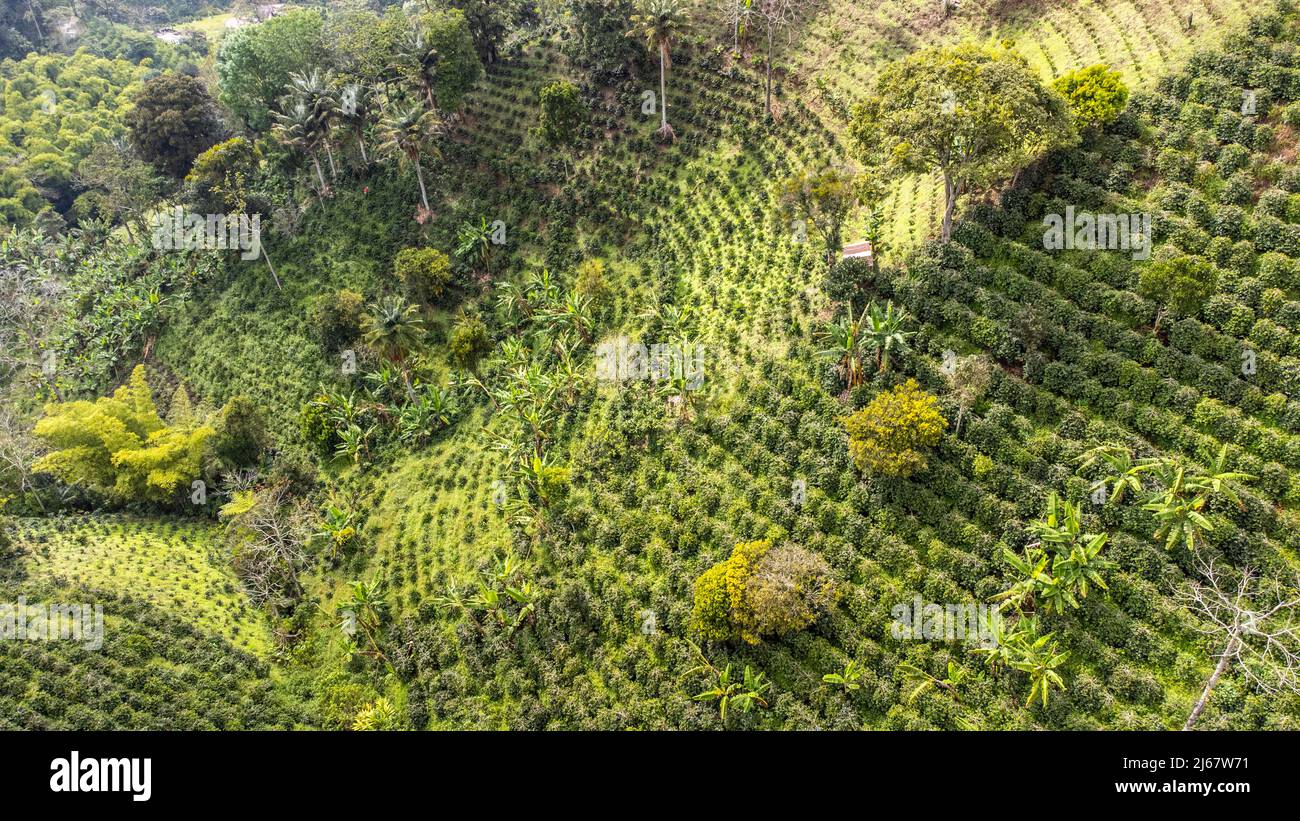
x=365, y=43
x=1180, y=285
x=340, y=317
x=592, y=284
x=726, y=691
x=54, y=110
x=824, y=199
x=218, y=180
x=469, y=342
x=119, y=446
x=254, y=63
x=424, y=272
x=1061, y=566
x=976, y=114
x=1096, y=95
x=173, y=566
x=380, y=714
x=394, y=328
x=711, y=615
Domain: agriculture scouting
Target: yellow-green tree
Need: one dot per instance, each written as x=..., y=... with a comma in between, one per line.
x=119, y=446
x=1096, y=95
x=888, y=436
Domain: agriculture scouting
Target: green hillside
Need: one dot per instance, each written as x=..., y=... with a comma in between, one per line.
x=426, y=505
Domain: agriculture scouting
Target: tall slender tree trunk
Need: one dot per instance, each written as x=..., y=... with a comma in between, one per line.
x=419, y=175
x=361, y=143
x=36, y=21
x=274, y=275
x=663, y=93
x=767, y=101
x=665, y=130
x=951, y=190
x=320, y=177
x=1214, y=679
x=329, y=152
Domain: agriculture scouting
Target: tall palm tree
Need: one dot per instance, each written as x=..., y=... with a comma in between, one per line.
x=404, y=133
x=354, y=113
x=313, y=90
x=659, y=21
x=419, y=59
x=295, y=129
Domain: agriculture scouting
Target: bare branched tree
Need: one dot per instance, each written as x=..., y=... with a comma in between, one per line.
x=269, y=533
x=1257, y=621
x=774, y=16
x=29, y=304
x=736, y=13
x=18, y=450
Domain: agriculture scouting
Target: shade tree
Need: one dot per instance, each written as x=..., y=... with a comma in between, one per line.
x=975, y=114
x=889, y=436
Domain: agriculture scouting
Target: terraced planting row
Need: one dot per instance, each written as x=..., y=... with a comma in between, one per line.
x=178, y=567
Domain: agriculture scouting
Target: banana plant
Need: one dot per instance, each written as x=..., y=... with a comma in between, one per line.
x=1030, y=569
x=525, y=597
x=1120, y=474
x=365, y=608
x=726, y=691
x=1039, y=658
x=919, y=681
x=847, y=679
x=573, y=314
x=882, y=332
x=474, y=242
x=841, y=340
x=489, y=600
x=354, y=442
x=1077, y=564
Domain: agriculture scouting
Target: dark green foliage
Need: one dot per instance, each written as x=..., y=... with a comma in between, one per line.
x=562, y=114
x=154, y=672
x=599, y=41
x=847, y=281
x=174, y=120
x=340, y=318
x=424, y=272
x=239, y=437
